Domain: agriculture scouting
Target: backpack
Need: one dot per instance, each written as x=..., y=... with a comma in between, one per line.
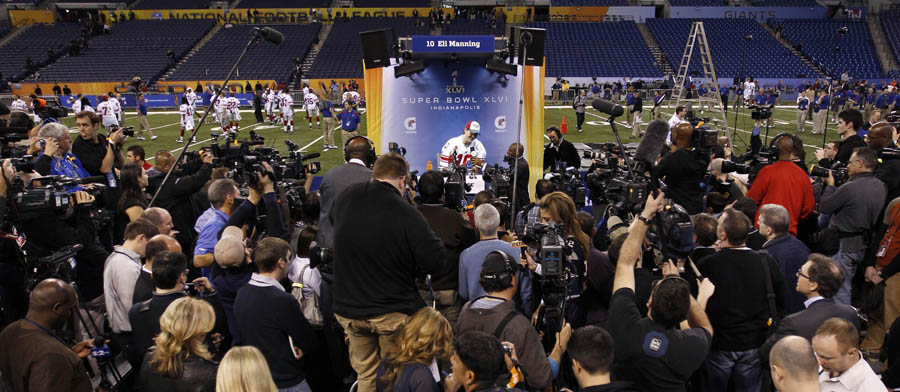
x=888, y=249
x=310, y=306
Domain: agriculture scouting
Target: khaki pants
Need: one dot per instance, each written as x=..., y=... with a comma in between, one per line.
x=636, y=120
x=801, y=120
x=879, y=328
x=347, y=135
x=819, y=121
x=143, y=125
x=370, y=340
x=555, y=95
x=447, y=302
x=328, y=131
x=630, y=119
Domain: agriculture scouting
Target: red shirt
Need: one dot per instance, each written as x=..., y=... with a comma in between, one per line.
x=147, y=166
x=786, y=184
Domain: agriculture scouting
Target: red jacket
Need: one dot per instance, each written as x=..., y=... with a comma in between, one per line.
x=786, y=184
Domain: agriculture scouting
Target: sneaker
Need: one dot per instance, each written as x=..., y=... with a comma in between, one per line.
x=153, y=137
x=579, y=130
x=141, y=138
x=180, y=140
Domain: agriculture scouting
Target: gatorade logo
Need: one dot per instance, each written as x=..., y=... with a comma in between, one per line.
x=500, y=122
x=410, y=123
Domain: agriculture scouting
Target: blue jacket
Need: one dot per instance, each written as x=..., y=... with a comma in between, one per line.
x=790, y=254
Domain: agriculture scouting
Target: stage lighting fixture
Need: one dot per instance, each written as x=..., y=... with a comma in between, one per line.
x=496, y=64
x=409, y=66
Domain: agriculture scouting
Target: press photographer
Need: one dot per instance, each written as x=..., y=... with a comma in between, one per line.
x=684, y=169
x=855, y=208
x=880, y=140
x=784, y=183
x=98, y=153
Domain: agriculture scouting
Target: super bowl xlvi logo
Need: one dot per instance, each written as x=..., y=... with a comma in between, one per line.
x=410, y=123
x=455, y=88
x=500, y=122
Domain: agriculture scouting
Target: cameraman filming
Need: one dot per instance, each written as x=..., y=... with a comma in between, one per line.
x=855, y=206
x=56, y=158
x=684, y=170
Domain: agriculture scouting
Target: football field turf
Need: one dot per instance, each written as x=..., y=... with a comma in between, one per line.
x=596, y=130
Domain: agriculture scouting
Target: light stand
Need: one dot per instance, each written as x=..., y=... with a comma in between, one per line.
x=267, y=33
x=525, y=39
x=827, y=110
x=737, y=109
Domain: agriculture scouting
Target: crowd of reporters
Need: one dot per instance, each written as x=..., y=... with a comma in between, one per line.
x=383, y=283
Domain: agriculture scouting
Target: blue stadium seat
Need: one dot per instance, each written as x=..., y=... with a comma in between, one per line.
x=820, y=37
x=33, y=43
x=464, y=26
x=596, y=49
x=765, y=56
x=132, y=47
x=263, y=61
x=341, y=55
x=890, y=21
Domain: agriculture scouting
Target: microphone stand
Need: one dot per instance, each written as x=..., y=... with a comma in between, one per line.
x=212, y=102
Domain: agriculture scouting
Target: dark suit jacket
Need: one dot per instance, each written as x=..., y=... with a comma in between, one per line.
x=456, y=234
x=144, y=317
x=336, y=180
x=143, y=288
x=566, y=153
x=805, y=323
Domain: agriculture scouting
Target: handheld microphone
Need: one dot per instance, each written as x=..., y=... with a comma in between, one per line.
x=270, y=34
x=608, y=107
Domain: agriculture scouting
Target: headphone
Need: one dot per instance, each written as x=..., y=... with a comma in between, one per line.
x=774, y=142
x=508, y=271
x=370, y=157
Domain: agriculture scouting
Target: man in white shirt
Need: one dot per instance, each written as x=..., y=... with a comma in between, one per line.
x=677, y=118
x=121, y=271
x=749, y=89
x=463, y=148
x=311, y=101
x=843, y=368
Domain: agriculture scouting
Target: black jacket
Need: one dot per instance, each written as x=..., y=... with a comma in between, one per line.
x=683, y=171
x=381, y=243
x=198, y=375
x=143, y=288
x=144, y=317
x=805, y=322
x=456, y=234
x=522, y=197
x=175, y=196
x=566, y=153
x=845, y=150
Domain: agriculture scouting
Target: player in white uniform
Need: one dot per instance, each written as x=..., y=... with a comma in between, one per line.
x=352, y=97
x=187, y=118
x=114, y=101
x=464, y=148
x=269, y=99
x=749, y=90
x=76, y=104
x=287, y=112
x=19, y=104
x=191, y=98
x=233, y=113
x=306, y=89
x=311, y=101
x=107, y=113
x=220, y=105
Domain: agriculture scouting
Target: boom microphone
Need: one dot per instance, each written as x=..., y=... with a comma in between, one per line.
x=270, y=34
x=608, y=107
x=92, y=180
x=651, y=144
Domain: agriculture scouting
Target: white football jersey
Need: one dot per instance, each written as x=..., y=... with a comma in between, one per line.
x=287, y=101
x=22, y=106
x=107, y=110
x=310, y=100
x=220, y=104
x=76, y=106
x=232, y=104
x=191, y=98
x=455, y=150
x=187, y=113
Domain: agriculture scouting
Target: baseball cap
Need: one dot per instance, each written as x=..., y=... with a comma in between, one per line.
x=494, y=265
x=473, y=127
x=616, y=227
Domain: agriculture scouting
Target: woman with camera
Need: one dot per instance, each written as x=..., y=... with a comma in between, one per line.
x=426, y=337
x=558, y=208
x=180, y=361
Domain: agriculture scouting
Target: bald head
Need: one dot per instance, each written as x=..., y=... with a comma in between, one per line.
x=159, y=244
x=51, y=303
x=785, y=146
x=681, y=135
x=358, y=148
x=160, y=217
x=795, y=357
x=880, y=136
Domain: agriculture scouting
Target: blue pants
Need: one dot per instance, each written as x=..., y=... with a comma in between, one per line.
x=743, y=366
x=301, y=387
x=848, y=262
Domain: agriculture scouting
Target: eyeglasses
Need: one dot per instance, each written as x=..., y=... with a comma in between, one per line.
x=799, y=274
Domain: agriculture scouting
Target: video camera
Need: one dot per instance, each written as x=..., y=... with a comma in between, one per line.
x=50, y=109
x=841, y=174
x=552, y=254
x=455, y=186
x=569, y=182
x=126, y=131
x=59, y=265
x=53, y=194
x=500, y=180
x=760, y=112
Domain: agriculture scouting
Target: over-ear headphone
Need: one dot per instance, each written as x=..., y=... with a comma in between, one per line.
x=370, y=157
x=509, y=270
x=774, y=142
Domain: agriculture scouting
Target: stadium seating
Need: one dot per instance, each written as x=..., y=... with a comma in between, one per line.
x=171, y=4
x=33, y=43
x=283, y=3
x=890, y=21
x=341, y=55
x=579, y=3
x=596, y=49
x=263, y=61
x=391, y=3
x=465, y=26
x=819, y=37
x=133, y=47
x=765, y=56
